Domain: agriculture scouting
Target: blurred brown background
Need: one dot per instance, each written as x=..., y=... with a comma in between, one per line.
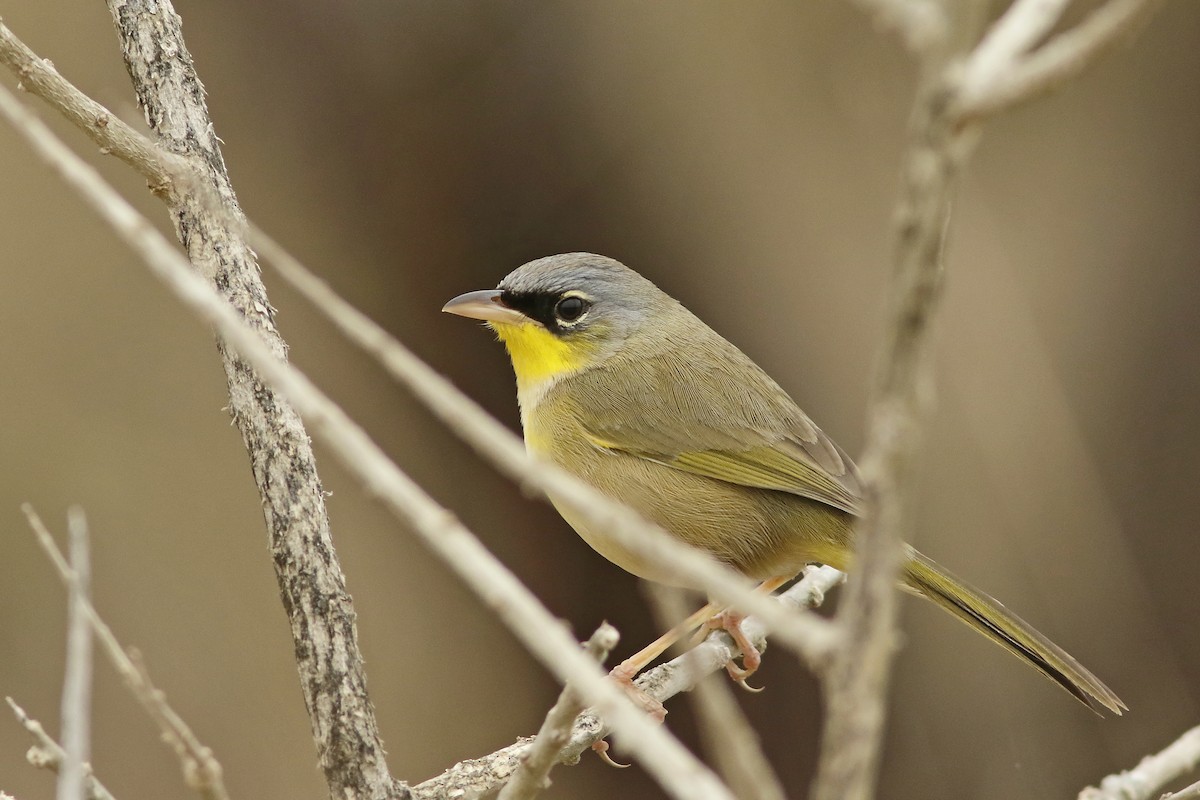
x=744, y=156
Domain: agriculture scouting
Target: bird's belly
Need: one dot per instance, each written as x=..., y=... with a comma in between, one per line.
x=607, y=545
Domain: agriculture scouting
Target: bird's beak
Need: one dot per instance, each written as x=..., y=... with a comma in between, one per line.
x=485, y=305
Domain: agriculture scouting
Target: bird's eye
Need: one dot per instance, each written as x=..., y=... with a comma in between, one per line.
x=570, y=308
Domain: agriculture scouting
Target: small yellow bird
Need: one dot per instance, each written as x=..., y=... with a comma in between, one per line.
x=622, y=386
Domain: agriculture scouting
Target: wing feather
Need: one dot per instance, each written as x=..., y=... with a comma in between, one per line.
x=699, y=404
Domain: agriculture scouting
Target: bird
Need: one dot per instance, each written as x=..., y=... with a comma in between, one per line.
x=623, y=387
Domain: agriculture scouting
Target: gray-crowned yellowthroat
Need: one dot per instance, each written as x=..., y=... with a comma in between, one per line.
x=622, y=386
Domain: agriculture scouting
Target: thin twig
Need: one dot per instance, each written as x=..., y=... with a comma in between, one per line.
x=1022, y=26
x=533, y=774
x=39, y=77
x=1146, y=780
x=1187, y=793
x=1057, y=61
x=474, y=778
x=729, y=740
x=201, y=770
x=661, y=754
x=77, y=685
x=48, y=754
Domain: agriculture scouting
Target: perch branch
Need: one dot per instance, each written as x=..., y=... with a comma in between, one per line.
x=475, y=778
x=729, y=740
x=533, y=774
x=661, y=754
x=201, y=770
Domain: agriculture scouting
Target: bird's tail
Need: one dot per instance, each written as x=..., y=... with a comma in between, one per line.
x=994, y=621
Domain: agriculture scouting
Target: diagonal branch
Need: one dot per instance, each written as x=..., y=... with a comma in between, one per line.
x=543, y=635
x=1147, y=779
x=533, y=774
x=38, y=76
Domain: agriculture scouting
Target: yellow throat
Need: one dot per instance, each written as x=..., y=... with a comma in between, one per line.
x=539, y=358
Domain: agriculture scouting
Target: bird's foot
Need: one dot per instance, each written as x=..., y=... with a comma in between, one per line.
x=624, y=674
x=731, y=623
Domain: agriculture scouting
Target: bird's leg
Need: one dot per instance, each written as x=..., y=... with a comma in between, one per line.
x=627, y=669
x=730, y=621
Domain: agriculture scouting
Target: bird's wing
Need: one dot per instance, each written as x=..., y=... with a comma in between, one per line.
x=780, y=467
x=719, y=416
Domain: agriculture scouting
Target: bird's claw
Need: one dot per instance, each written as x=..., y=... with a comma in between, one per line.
x=739, y=676
x=600, y=748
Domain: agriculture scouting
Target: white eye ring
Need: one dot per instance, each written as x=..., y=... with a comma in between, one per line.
x=571, y=308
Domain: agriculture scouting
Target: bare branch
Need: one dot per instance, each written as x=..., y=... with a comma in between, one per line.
x=201, y=770
x=533, y=774
x=662, y=756
x=476, y=777
x=39, y=77
x=941, y=142
x=1146, y=780
x=1021, y=27
x=47, y=754
x=729, y=739
x=77, y=685
x=1056, y=62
